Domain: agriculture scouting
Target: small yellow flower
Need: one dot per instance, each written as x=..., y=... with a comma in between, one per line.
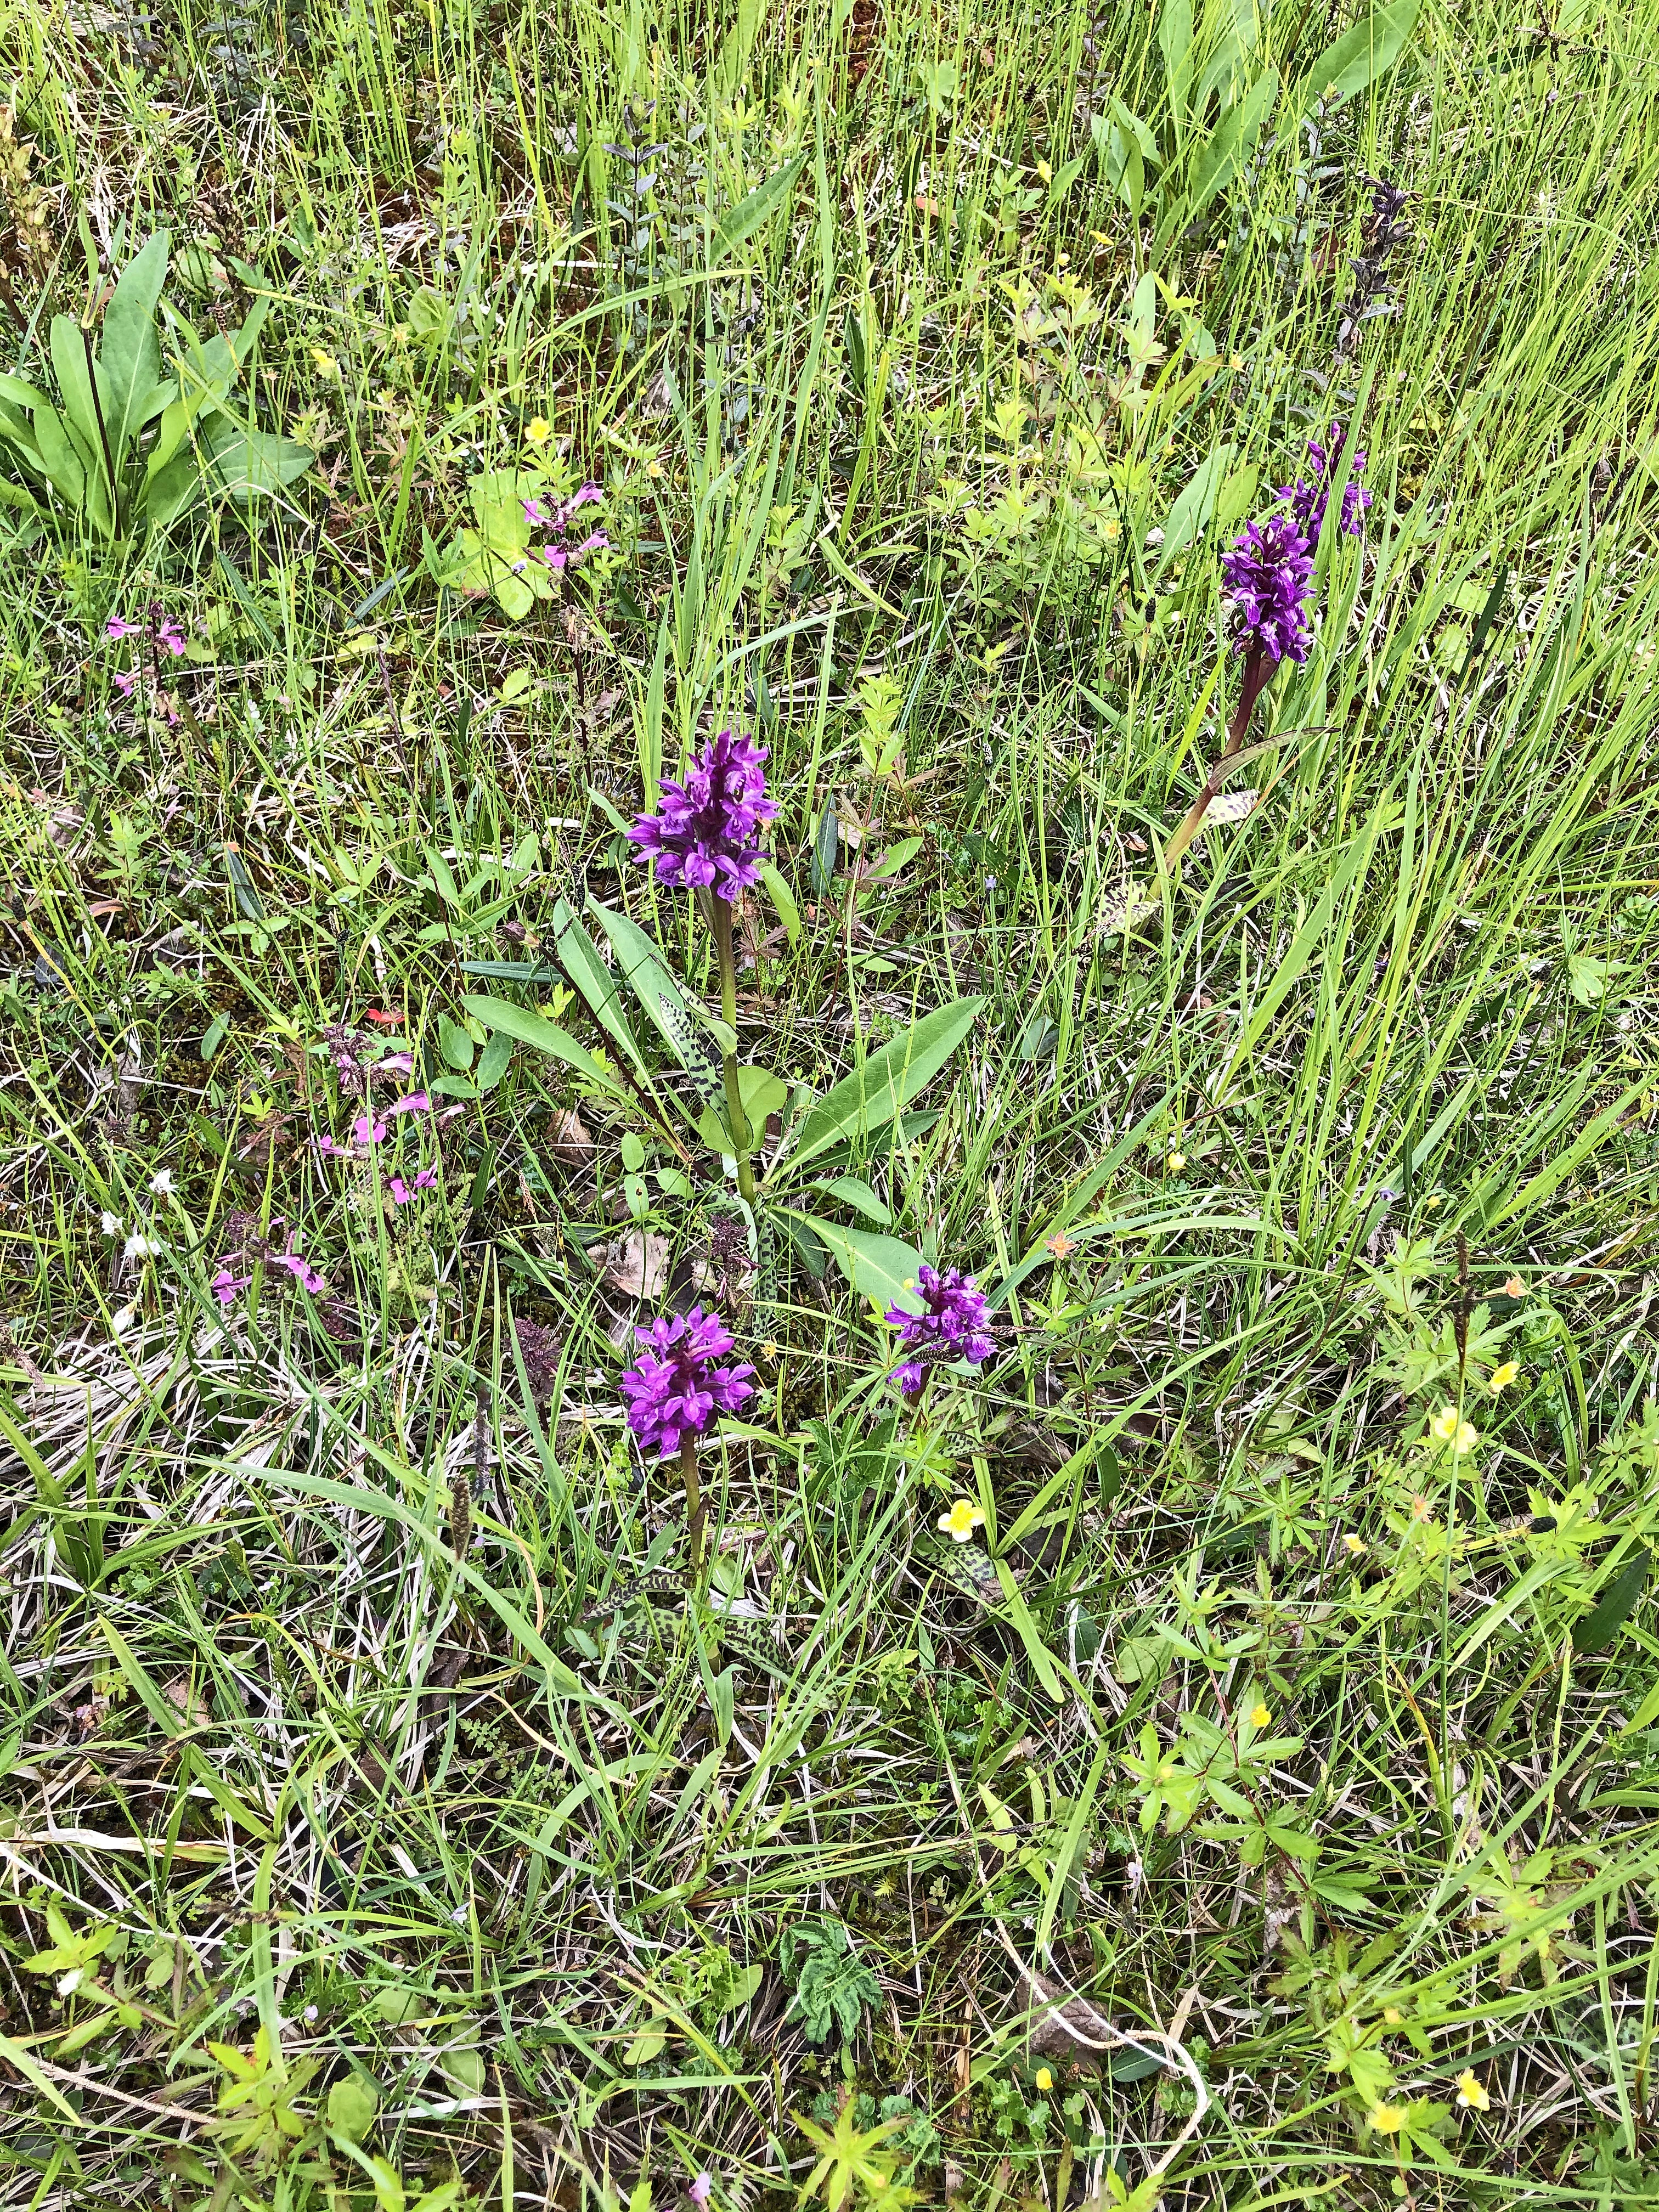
x=537, y=430
x=1355, y=1545
x=1045, y=2079
x=1175, y=1161
x=1447, y=1429
x=1472, y=2092
x=1387, y=2118
x=1515, y=1288
x=325, y=363
x=962, y=1520
x=1434, y=1201
x=1392, y=2015
x=1260, y=1716
x=1502, y=1377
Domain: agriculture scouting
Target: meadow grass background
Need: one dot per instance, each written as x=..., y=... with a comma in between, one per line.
x=396, y=1824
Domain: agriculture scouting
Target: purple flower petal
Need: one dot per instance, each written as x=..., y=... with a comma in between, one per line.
x=417, y=1101
x=1307, y=501
x=301, y=1270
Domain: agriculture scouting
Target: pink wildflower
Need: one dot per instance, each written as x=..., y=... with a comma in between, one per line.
x=225, y=1285
x=416, y=1102
x=368, y=1131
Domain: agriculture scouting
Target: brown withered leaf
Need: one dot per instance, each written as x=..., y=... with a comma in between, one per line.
x=637, y=1265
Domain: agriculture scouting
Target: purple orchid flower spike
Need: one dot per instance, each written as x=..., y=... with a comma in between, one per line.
x=1307, y=501
x=681, y=1382
x=706, y=833
x=1269, y=575
x=953, y=1324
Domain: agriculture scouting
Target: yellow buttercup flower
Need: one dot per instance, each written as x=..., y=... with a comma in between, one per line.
x=1260, y=1716
x=1045, y=2079
x=538, y=430
x=1448, y=1429
x=1355, y=1545
x=1175, y=1161
x=962, y=1520
x=1472, y=2092
x=1502, y=1377
x=1387, y=2119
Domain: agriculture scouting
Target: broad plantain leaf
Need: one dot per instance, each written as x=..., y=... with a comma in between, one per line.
x=763, y=1093
x=755, y=209
x=129, y=357
x=1597, y=1629
x=1231, y=144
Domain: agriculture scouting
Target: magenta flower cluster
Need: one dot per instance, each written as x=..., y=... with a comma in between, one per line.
x=1308, y=500
x=1269, y=574
x=161, y=633
x=556, y=552
x=706, y=835
x=954, y=1324
x=680, y=1383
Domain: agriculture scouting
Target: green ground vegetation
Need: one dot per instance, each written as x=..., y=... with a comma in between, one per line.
x=1257, y=1808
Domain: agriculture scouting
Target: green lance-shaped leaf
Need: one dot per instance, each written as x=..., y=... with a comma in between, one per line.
x=888, y=1079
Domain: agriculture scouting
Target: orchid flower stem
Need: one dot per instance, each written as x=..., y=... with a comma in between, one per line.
x=1257, y=671
x=720, y=920
x=689, y=1477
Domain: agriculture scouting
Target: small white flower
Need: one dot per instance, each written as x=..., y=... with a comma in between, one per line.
x=141, y=1247
x=111, y=1223
x=122, y=1320
x=161, y=1182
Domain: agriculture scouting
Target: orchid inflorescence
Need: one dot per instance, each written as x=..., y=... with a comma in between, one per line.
x=705, y=836
x=1267, y=578
x=556, y=551
x=952, y=1325
x=680, y=1382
